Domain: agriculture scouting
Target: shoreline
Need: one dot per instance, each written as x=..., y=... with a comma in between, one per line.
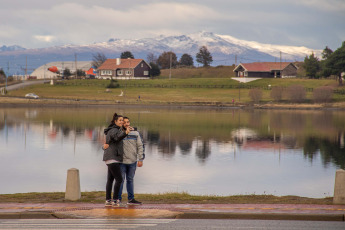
x=14, y=102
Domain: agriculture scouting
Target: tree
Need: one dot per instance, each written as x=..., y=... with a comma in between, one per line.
x=326, y=53
x=155, y=71
x=335, y=63
x=166, y=58
x=311, y=65
x=127, y=54
x=81, y=73
x=98, y=59
x=204, y=56
x=67, y=73
x=151, y=58
x=255, y=95
x=186, y=60
x=2, y=76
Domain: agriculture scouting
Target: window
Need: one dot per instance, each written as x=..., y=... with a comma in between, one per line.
x=119, y=72
x=142, y=65
x=246, y=73
x=128, y=72
x=106, y=72
x=146, y=73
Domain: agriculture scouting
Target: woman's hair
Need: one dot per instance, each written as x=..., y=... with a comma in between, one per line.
x=115, y=118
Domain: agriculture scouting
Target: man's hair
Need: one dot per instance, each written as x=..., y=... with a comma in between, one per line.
x=126, y=118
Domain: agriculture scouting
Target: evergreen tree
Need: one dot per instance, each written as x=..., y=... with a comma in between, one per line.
x=127, y=54
x=186, y=60
x=67, y=73
x=2, y=76
x=326, y=52
x=155, y=71
x=311, y=65
x=335, y=63
x=204, y=57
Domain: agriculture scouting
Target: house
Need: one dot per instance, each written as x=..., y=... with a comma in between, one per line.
x=124, y=69
x=266, y=70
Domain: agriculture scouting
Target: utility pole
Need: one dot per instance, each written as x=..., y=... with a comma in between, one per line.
x=8, y=70
x=280, y=64
x=76, y=69
x=235, y=59
x=170, y=67
x=26, y=66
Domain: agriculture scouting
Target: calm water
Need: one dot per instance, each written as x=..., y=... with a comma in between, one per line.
x=221, y=152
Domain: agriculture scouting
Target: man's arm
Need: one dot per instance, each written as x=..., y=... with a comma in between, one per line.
x=140, y=150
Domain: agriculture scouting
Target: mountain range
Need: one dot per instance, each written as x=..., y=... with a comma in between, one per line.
x=225, y=50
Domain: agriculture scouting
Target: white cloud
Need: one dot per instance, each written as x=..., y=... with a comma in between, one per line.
x=301, y=22
x=44, y=38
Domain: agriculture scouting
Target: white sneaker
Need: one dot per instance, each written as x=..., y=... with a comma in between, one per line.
x=108, y=203
x=117, y=203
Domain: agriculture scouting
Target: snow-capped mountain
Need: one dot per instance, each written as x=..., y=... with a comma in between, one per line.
x=225, y=49
x=11, y=48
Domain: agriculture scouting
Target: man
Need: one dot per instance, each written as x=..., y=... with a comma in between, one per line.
x=133, y=156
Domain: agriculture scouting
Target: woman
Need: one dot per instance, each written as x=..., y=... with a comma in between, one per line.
x=113, y=156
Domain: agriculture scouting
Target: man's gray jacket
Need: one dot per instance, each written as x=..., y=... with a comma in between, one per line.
x=133, y=148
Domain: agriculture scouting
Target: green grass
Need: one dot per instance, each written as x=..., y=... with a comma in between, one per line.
x=167, y=198
x=175, y=91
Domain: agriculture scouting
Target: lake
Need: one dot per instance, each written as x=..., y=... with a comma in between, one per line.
x=199, y=151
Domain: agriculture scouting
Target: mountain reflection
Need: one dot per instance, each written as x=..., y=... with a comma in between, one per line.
x=314, y=132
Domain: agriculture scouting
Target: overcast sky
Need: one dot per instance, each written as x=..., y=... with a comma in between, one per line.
x=43, y=23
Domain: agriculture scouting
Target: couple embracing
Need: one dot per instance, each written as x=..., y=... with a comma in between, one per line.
x=123, y=152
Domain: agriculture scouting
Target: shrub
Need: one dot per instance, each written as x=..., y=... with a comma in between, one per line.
x=255, y=95
x=296, y=93
x=323, y=94
x=277, y=93
x=113, y=84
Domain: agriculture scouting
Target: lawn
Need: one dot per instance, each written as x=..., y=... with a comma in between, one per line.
x=179, y=91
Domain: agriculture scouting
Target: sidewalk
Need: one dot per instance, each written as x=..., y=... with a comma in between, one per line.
x=172, y=211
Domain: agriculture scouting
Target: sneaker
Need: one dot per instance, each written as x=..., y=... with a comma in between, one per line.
x=134, y=202
x=108, y=203
x=117, y=203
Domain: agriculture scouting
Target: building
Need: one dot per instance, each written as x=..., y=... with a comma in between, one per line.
x=266, y=70
x=124, y=69
x=42, y=72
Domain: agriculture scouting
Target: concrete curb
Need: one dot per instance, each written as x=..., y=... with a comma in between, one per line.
x=263, y=216
x=193, y=215
x=27, y=215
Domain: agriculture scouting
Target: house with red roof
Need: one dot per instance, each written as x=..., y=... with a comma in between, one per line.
x=266, y=70
x=124, y=69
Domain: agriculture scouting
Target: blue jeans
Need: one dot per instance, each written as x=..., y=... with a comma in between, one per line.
x=128, y=172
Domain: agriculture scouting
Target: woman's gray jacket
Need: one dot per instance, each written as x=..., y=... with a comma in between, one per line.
x=114, y=138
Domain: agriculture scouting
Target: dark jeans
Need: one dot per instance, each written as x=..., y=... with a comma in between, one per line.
x=128, y=172
x=114, y=172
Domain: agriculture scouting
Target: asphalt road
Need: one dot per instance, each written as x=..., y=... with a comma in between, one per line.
x=168, y=224
x=24, y=84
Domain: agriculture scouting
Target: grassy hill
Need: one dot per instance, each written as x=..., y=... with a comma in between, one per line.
x=196, y=91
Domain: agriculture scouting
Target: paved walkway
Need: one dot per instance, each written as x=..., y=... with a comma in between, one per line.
x=172, y=211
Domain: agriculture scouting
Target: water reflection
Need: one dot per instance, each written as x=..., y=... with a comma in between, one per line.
x=176, y=135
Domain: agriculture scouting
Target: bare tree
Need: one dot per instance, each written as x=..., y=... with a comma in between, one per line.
x=98, y=59
x=151, y=58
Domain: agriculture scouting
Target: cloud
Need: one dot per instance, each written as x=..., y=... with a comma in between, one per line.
x=301, y=22
x=44, y=38
x=329, y=5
